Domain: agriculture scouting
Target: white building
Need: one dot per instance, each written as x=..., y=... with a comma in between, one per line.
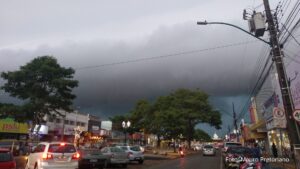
x=67, y=124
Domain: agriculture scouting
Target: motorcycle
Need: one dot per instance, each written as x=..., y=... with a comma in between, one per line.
x=251, y=165
x=181, y=153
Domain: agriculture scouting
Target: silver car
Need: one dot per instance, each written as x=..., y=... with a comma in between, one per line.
x=209, y=150
x=134, y=152
x=53, y=155
x=115, y=155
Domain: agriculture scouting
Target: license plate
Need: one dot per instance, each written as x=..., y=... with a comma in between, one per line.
x=93, y=160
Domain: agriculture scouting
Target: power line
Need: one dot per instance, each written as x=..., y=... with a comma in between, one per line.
x=164, y=56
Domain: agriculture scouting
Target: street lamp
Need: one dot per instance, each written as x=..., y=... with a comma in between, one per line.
x=125, y=125
x=228, y=24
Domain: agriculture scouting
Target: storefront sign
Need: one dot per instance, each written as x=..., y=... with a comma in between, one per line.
x=10, y=126
x=278, y=113
x=296, y=115
x=95, y=128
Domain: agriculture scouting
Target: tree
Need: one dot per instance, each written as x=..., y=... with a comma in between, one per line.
x=201, y=135
x=43, y=85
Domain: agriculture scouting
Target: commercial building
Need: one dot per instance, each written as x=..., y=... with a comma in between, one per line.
x=10, y=129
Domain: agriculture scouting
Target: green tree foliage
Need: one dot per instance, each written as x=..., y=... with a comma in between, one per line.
x=176, y=114
x=201, y=135
x=44, y=86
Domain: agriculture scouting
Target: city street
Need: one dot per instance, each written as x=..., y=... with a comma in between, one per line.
x=194, y=161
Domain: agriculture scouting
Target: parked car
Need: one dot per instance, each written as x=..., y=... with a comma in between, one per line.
x=6, y=159
x=48, y=155
x=197, y=147
x=11, y=144
x=208, y=150
x=236, y=155
x=226, y=145
x=116, y=156
x=92, y=158
x=134, y=153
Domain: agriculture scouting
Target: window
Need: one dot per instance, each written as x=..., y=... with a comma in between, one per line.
x=57, y=120
x=57, y=148
x=82, y=124
x=6, y=156
x=66, y=121
x=50, y=119
x=78, y=124
x=71, y=122
x=40, y=148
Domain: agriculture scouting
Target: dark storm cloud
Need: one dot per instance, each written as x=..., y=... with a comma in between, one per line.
x=115, y=88
x=102, y=34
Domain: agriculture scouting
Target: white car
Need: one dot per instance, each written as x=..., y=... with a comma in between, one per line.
x=134, y=152
x=197, y=147
x=52, y=155
x=209, y=150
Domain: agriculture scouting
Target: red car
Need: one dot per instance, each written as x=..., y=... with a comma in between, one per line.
x=6, y=159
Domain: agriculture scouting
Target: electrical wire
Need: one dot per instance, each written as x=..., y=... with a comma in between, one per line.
x=165, y=56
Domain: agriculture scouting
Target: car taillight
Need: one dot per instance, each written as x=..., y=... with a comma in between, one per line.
x=47, y=156
x=75, y=156
x=13, y=165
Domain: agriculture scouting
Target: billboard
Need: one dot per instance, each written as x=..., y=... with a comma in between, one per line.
x=8, y=125
x=106, y=125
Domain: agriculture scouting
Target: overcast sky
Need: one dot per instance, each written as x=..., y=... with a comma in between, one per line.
x=106, y=40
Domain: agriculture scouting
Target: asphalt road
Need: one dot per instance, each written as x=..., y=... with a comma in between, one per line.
x=195, y=161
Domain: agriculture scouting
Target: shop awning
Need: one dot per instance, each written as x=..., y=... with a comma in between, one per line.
x=259, y=124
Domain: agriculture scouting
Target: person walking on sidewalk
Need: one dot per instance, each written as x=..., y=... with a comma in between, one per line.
x=274, y=150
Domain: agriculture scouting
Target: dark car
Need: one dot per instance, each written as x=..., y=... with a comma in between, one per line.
x=6, y=159
x=92, y=158
x=235, y=156
x=11, y=144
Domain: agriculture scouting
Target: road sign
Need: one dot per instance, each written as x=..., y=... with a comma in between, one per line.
x=278, y=113
x=296, y=115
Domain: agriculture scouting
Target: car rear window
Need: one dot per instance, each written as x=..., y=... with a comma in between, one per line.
x=57, y=148
x=233, y=144
x=208, y=146
x=135, y=148
x=5, y=156
x=239, y=150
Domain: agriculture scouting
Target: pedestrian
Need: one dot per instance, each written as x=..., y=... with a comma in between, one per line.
x=256, y=151
x=274, y=150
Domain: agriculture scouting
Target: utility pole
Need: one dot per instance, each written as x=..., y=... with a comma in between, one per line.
x=235, y=123
x=283, y=82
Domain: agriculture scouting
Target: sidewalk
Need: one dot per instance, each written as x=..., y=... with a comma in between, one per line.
x=289, y=165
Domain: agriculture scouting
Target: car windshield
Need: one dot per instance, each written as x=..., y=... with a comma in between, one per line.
x=123, y=148
x=116, y=150
x=135, y=148
x=5, y=156
x=57, y=148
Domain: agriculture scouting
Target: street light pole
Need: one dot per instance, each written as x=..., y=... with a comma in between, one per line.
x=282, y=77
x=228, y=24
x=125, y=125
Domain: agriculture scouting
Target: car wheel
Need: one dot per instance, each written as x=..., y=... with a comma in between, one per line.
x=104, y=165
x=141, y=161
x=124, y=165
